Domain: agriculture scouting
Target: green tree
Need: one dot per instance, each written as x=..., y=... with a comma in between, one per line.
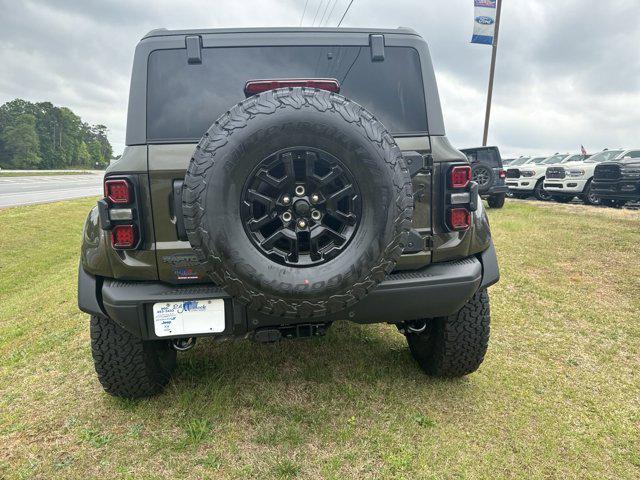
x=60, y=134
x=21, y=143
x=83, y=157
x=95, y=150
x=100, y=148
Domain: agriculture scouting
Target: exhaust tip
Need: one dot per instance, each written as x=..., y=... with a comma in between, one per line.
x=183, y=344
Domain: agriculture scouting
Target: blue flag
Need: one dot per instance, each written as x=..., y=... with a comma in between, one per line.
x=484, y=21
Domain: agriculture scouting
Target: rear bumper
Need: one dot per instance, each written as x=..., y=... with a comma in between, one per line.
x=617, y=190
x=437, y=290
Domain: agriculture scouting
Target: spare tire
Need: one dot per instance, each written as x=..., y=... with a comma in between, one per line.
x=298, y=202
x=483, y=175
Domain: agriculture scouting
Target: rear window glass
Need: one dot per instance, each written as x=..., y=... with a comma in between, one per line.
x=487, y=156
x=183, y=100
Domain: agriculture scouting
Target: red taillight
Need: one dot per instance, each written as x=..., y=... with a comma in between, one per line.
x=117, y=191
x=502, y=173
x=123, y=236
x=459, y=219
x=252, y=87
x=460, y=176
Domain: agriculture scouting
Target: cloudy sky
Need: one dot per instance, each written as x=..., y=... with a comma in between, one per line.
x=568, y=73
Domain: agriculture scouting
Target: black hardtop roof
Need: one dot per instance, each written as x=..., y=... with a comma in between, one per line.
x=163, y=32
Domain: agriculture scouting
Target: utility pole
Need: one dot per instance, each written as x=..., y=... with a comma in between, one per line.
x=494, y=50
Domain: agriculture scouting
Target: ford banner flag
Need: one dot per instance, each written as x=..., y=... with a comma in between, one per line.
x=484, y=21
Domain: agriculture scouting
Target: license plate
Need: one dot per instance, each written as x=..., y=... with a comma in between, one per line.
x=188, y=318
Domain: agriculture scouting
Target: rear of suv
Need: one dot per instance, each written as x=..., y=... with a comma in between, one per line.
x=275, y=181
x=488, y=172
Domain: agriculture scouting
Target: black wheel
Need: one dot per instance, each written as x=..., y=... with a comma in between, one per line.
x=306, y=221
x=298, y=202
x=127, y=366
x=496, y=201
x=588, y=197
x=483, y=176
x=454, y=346
x=540, y=193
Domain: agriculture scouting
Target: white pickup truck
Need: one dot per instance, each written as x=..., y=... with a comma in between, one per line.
x=564, y=182
x=527, y=179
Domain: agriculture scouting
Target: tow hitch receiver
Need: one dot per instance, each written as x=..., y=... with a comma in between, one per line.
x=306, y=330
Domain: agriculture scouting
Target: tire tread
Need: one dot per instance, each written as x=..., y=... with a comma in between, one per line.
x=454, y=346
x=127, y=366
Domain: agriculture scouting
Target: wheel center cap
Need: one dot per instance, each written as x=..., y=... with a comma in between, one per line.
x=302, y=208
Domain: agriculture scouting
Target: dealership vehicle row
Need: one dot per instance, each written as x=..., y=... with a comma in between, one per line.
x=610, y=177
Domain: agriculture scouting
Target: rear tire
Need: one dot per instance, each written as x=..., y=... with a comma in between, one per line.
x=483, y=176
x=496, y=201
x=127, y=366
x=454, y=346
x=233, y=202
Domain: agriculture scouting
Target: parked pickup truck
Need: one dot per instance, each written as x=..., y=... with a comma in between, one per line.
x=564, y=182
x=274, y=181
x=526, y=180
x=618, y=182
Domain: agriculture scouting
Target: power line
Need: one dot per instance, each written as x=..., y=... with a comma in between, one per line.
x=330, y=12
x=324, y=13
x=304, y=11
x=345, y=13
x=316, y=15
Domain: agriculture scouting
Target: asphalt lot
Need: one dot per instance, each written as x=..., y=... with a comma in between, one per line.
x=15, y=191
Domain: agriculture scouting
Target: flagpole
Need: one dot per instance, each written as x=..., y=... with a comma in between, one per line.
x=494, y=49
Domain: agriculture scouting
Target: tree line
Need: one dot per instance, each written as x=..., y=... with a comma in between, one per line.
x=44, y=136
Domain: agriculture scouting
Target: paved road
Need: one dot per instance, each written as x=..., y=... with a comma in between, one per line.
x=16, y=191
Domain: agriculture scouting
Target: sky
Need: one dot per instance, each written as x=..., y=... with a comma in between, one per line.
x=567, y=73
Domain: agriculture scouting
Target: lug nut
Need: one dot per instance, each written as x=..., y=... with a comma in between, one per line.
x=286, y=216
x=315, y=198
x=316, y=215
x=299, y=190
x=302, y=223
x=286, y=200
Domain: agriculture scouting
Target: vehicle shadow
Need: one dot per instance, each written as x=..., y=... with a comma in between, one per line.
x=351, y=365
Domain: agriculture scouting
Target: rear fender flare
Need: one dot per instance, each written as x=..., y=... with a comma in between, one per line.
x=94, y=254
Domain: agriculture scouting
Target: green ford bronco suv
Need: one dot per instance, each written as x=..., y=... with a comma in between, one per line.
x=275, y=181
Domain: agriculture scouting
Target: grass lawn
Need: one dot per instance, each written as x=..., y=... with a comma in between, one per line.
x=44, y=173
x=557, y=397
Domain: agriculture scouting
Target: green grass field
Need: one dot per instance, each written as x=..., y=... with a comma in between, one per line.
x=557, y=397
